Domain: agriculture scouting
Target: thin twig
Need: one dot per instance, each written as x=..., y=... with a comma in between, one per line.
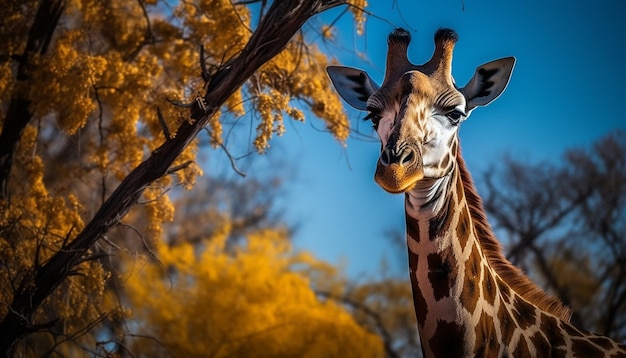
x=150, y=252
x=180, y=104
x=166, y=131
x=233, y=161
x=204, y=72
x=176, y=168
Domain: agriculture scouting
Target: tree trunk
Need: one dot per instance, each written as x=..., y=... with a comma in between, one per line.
x=282, y=21
x=18, y=115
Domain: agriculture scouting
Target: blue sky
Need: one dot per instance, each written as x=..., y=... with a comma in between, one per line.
x=567, y=90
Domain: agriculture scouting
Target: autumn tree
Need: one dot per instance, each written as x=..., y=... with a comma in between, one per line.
x=383, y=305
x=101, y=104
x=565, y=223
x=253, y=300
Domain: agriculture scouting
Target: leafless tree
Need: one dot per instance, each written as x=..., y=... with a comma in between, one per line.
x=565, y=223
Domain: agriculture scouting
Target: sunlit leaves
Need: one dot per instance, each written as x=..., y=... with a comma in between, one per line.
x=212, y=302
x=297, y=73
x=357, y=7
x=65, y=78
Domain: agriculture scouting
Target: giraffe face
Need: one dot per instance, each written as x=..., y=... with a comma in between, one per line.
x=417, y=122
x=417, y=110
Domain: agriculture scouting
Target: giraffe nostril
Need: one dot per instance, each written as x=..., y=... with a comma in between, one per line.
x=385, y=156
x=407, y=156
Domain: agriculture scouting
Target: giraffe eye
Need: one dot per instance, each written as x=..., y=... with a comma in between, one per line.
x=374, y=117
x=455, y=116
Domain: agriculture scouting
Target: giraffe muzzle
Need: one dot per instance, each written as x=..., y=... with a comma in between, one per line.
x=398, y=170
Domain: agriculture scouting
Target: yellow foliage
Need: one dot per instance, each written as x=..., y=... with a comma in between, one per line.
x=54, y=72
x=93, y=96
x=356, y=8
x=36, y=226
x=296, y=73
x=159, y=210
x=252, y=302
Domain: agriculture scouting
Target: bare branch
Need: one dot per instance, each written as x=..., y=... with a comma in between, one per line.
x=176, y=168
x=166, y=130
x=180, y=104
x=233, y=162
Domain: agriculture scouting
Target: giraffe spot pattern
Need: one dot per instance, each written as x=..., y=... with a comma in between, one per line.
x=560, y=352
x=522, y=348
x=441, y=222
x=542, y=347
x=450, y=143
x=460, y=192
x=471, y=292
x=504, y=290
x=489, y=287
x=419, y=302
x=507, y=326
x=412, y=228
x=447, y=340
x=585, y=348
x=603, y=342
x=524, y=314
x=550, y=327
x=445, y=162
x=486, y=338
x=438, y=275
x=463, y=228
x=571, y=331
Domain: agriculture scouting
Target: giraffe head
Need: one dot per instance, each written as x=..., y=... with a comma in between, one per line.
x=417, y=110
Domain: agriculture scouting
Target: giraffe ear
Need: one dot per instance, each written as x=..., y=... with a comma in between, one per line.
x=353, y=85
x=488, y=83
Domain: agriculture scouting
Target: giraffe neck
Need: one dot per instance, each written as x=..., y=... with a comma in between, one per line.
x=469, y=301
x=433, y=266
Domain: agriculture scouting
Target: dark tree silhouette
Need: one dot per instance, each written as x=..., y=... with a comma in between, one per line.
x=565, y=223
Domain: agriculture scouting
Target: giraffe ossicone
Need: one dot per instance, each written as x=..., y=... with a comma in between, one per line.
x=469, y=300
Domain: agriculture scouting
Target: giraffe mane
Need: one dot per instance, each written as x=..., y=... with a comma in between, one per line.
x=492, y=250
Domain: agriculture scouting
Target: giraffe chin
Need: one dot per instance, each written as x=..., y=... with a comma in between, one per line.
x=396, y=179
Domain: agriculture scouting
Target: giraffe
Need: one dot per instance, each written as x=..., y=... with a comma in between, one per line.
x=469, y=300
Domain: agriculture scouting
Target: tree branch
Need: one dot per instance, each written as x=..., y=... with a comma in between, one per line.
x=283, y=19
x=18, y=115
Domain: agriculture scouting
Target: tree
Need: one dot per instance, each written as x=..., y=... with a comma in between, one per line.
x=87, y=92
x=565, y=223
x=384, y=306
x=254, y=301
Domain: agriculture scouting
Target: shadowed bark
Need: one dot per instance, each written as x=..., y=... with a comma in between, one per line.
x=18, y=114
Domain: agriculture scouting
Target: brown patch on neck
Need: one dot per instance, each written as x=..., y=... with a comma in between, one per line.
x=441, y=222
x=448, y=340
x=442, y=272
x=492, y=250
x=419, y=302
